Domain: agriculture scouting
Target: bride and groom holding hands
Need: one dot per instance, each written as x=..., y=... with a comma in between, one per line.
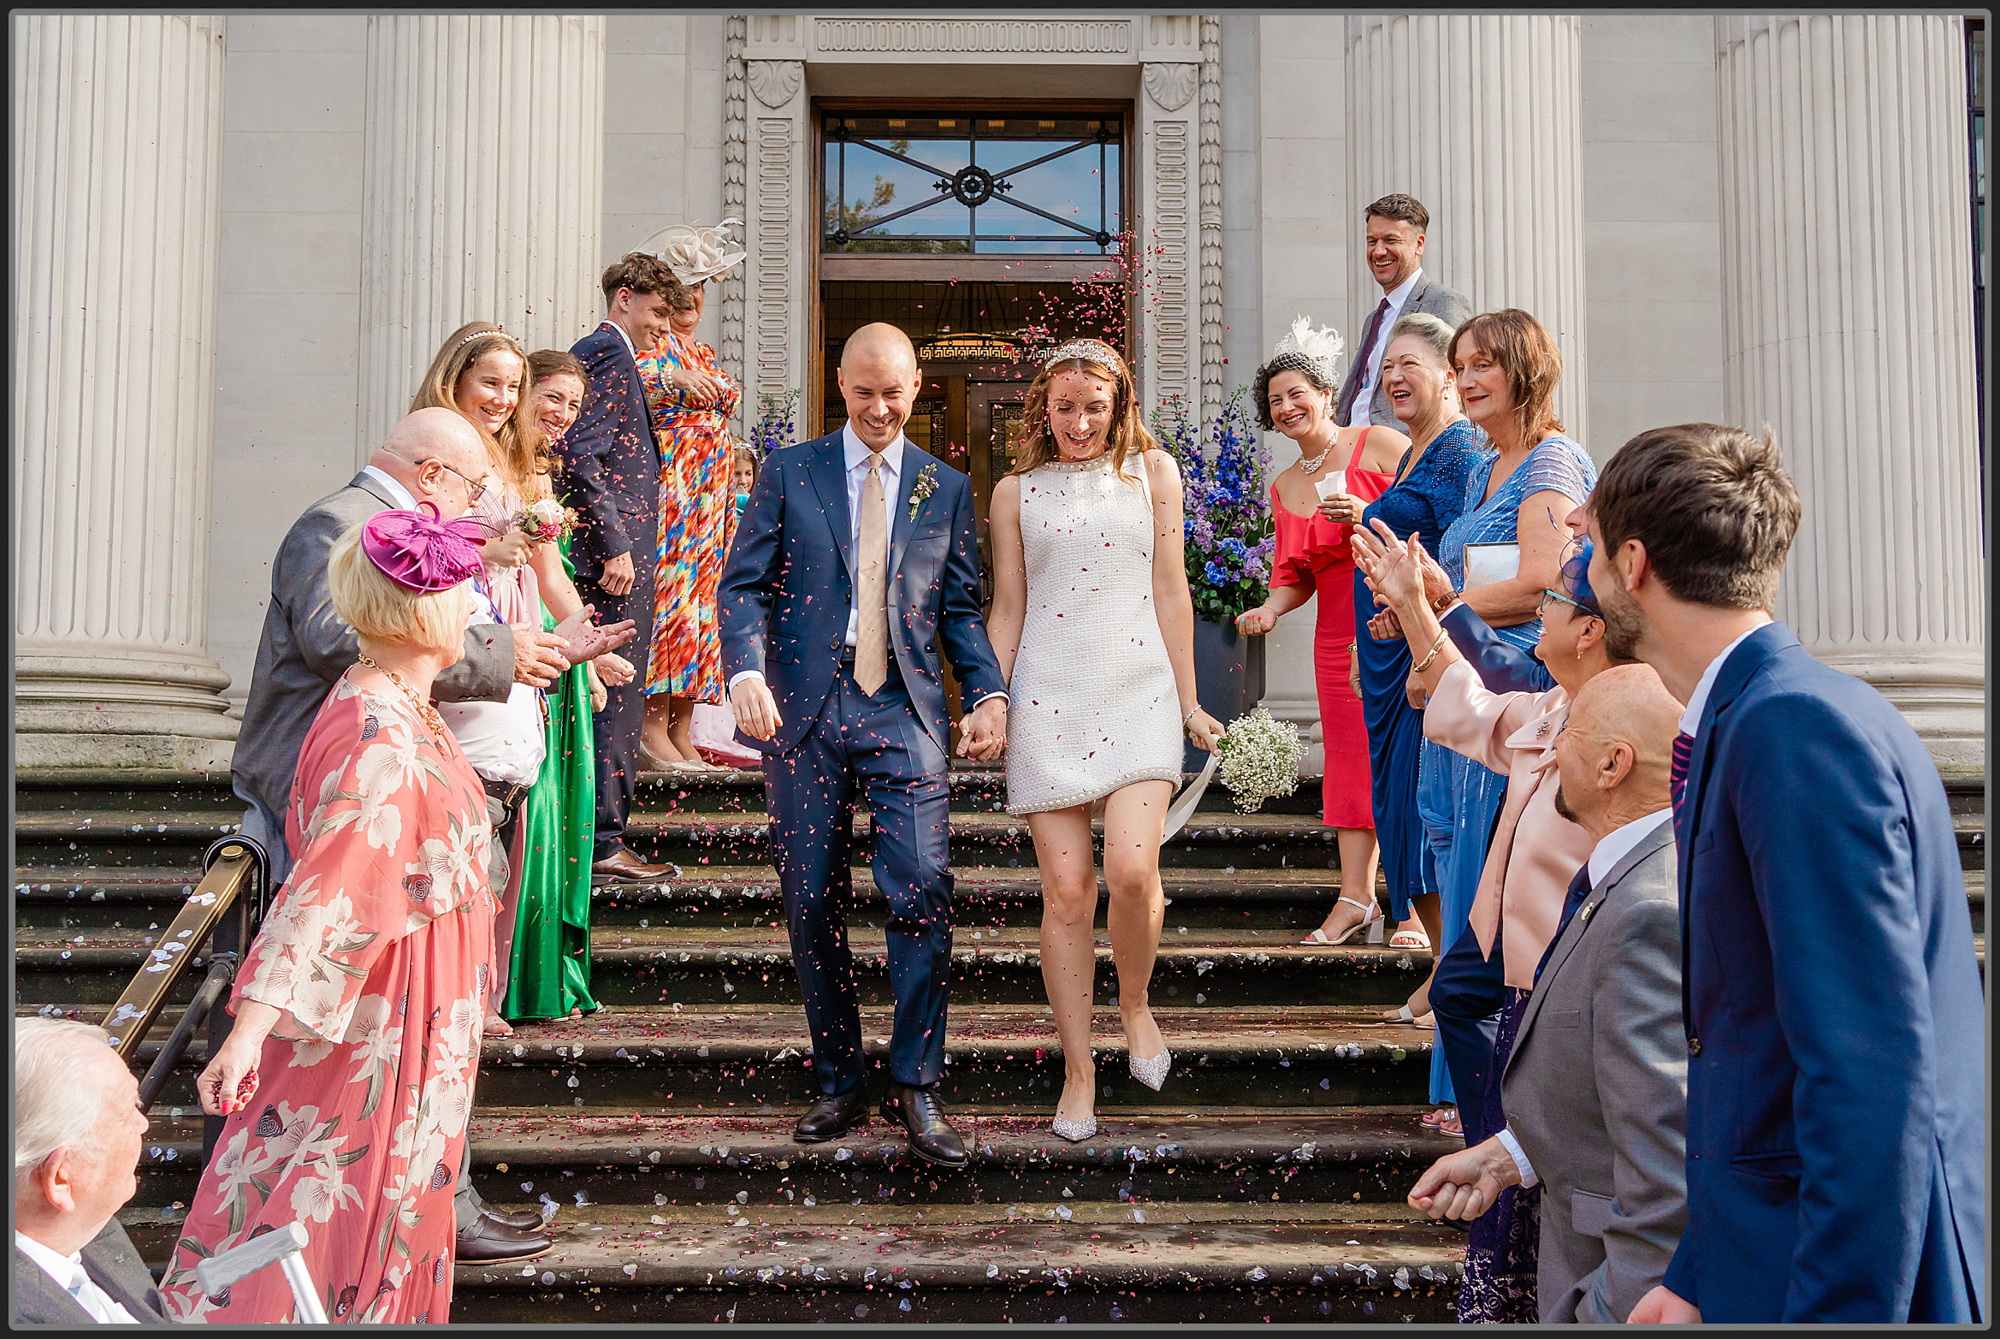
x=853, y=565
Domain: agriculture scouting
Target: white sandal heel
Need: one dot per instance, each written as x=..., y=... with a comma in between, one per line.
x=1371, y=920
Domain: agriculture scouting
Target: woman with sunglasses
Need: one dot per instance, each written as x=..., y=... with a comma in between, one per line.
x=1535, y=852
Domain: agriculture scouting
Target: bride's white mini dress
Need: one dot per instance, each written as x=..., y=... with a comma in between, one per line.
x=1092, y=706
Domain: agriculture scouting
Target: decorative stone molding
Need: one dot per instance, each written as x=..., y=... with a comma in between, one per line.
x=1170, y=37
x=972, y=36
x=1847, y=327
x=735, y=121
x=775, y=82
x=1168, y=238
x=1171, y=83
x=483, y=190
x=1480, y=117
x=776, y=274
x=117, y=135
x=1210, y=144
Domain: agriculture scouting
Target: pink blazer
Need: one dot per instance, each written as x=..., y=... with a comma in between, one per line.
x=1535, y=851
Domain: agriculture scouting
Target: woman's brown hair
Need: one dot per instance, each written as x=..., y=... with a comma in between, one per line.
x=520, y=453
x=1527, y=353
x=1128, y=426
x=543, y=364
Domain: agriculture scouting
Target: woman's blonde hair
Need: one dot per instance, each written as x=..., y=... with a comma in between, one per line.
x=381, y=611
x=520, y=453
x=1128, y=425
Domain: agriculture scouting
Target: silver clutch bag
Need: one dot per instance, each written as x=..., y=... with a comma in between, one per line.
x=1488, y=563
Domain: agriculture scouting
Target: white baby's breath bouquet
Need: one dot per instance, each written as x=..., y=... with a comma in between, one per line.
x=1259, y=759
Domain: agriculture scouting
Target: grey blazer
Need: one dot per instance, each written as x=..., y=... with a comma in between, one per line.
x=305, y=647
x=1596, y=1092
x=1447, y=304
x=113, y=1265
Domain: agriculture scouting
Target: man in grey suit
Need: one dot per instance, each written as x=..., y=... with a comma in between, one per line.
x=1595, y=1092
x=1396, y=227
x=434, y=456
x=78, y=1132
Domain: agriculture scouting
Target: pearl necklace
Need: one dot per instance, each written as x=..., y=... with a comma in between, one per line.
x=425, y=710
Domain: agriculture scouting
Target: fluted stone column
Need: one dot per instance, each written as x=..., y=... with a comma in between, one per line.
x=1848, y=328
x=483, y=190
x=1479, y=117
x=117, y=128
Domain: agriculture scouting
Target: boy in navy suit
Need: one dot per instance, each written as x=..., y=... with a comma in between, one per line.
x=1836, y=1142
x=611, y=475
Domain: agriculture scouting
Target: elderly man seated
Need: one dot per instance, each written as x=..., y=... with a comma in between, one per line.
x=1595, y=1092
x=77, y=1134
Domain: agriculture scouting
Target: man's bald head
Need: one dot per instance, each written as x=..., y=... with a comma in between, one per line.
x=438, y=455
x=1617, y=748
x=879, y=381
x=878, y=341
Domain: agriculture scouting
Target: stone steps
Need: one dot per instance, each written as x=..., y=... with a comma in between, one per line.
x=723, y=1060
x=80, y=897
x=1264, y=1184
x=1028, y=1261
x=601, y=1156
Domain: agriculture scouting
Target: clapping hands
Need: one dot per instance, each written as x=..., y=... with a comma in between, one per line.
x=584, y=640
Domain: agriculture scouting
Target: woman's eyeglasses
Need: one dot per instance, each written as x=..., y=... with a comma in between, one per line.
x=1542, y=609
x=477, y=486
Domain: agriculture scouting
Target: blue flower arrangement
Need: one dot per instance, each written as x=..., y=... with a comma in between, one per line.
x=774, y=428
x=1226, y=499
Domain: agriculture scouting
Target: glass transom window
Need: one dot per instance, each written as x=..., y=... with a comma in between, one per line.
x=966, y=183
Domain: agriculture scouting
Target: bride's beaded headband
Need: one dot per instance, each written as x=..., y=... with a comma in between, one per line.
x=1087, y=351
x=482, y=334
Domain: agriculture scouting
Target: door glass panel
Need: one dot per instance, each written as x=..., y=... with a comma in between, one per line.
x=999, y=183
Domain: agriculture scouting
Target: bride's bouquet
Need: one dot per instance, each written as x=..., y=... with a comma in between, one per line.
x=547, y=521
x=1259, y=759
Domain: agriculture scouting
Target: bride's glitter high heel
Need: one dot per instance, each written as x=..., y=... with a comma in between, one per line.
x=1076, y=1131
x=1152, y=1072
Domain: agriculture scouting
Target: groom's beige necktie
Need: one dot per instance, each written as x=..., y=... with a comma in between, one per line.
x=871, y=637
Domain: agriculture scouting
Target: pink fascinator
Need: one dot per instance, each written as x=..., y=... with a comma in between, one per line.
x=420, y=552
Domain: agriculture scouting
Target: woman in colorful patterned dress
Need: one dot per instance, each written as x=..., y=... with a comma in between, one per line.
x=692, y=400
x=347, y=1080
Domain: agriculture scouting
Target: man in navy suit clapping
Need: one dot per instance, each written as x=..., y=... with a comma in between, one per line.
x=1836, y=1141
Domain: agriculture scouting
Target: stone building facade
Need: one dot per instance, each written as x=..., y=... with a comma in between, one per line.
x=240, y=237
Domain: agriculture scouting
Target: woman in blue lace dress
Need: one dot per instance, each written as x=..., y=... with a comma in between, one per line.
x=1507, y=368
x=1427, y=496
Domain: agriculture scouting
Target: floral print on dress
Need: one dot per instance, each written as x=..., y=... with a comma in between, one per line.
x=375, y=950
x=697, y=520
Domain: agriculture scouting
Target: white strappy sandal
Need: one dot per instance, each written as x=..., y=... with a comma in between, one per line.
x=1371, y=920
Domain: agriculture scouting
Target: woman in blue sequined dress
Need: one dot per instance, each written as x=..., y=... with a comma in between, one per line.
x=1427, y=496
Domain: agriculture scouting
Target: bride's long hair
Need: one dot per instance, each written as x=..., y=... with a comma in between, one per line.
x=1128, y=435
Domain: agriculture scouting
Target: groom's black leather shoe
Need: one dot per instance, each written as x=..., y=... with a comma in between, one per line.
x=920, y=1113
x=832, y=1117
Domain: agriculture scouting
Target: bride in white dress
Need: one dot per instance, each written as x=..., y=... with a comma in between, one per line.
x=1094, y=628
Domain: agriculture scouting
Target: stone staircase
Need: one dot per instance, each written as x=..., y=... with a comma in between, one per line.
x=1265, y=1182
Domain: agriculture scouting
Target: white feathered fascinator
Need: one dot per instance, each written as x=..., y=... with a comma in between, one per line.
x=1321, y=347
x=696, y=255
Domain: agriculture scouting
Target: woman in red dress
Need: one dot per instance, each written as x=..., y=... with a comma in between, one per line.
x=1316, y=503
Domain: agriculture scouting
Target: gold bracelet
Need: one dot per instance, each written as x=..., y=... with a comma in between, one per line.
x=1436, y=647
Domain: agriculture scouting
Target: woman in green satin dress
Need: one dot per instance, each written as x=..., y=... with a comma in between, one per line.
x=550, y=973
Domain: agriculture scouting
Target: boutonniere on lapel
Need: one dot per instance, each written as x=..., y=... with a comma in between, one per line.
x=921, y=490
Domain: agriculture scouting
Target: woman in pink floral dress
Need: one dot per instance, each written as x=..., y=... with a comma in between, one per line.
x=347, y=1079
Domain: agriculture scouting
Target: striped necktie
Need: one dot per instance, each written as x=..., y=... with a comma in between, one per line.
x=1677, y=778
x=1579, y=889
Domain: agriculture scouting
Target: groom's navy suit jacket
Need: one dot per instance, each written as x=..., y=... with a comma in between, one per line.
x=789, y=584
x=1836, y=1116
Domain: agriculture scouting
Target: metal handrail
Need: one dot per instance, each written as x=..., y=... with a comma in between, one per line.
x=219, y=911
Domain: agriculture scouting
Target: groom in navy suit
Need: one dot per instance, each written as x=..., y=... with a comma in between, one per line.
x=611, y=475
x=1836, y=1118
x=853, y=564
